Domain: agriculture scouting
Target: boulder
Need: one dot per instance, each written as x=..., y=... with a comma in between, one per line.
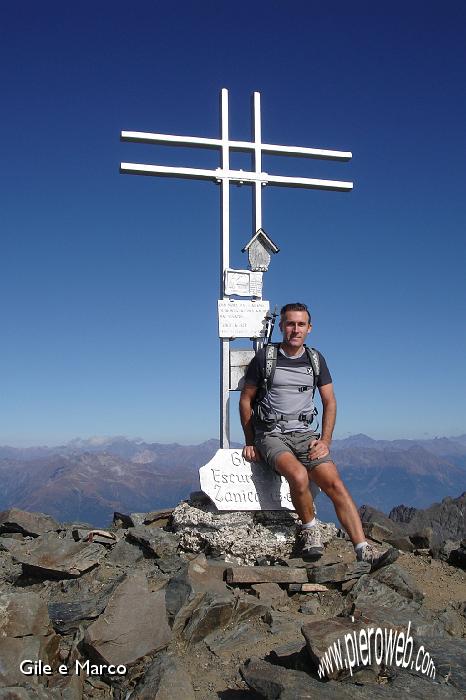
x=215, y=611
x=457, y=557
x=374, y=602
x=32, y=524
x=67, y=616
x=134, y=624
x=422, y=538
x=400, y=581
x=165, y=679
x=52, y=556
x=124, y=554
x=322, y=635
x=22, y=614
x=154, y=541
x=377, y=532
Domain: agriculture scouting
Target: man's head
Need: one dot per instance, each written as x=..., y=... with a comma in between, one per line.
x=295, y=324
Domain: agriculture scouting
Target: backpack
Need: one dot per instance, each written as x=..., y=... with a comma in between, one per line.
x=270, y=364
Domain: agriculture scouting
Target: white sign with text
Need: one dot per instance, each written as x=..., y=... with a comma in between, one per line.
x=242, y=319
x=234, y=484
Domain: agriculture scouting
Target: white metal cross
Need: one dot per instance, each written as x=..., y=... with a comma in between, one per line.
x=224, y=176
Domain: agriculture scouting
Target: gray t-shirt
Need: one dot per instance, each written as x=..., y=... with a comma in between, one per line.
x=291, y=392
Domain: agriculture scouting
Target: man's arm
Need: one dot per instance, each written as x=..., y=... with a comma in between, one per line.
x=246, y=402
x=319, y=448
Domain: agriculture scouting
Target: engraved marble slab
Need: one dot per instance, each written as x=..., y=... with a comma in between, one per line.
x=234, y=484
x=239, y=318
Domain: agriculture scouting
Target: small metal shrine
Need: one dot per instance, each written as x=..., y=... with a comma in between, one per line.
x=260, y=247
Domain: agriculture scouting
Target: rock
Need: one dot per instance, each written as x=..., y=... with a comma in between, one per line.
x=134, y=624
x=457, y=557
x=310, y=607
x=265, y=574
x=374, y=602
x=23, y=613
x=14, y=650
x=270, y=593
x=277, y=683
x=225, y=643
x=449, y=657
x=186, y=589
x=124, y=554
x=32, y=524
x=67, y=616
x=154, y=541
x=52, y=556
x=452, y=618
x=402, y=514
x=322, y=635
x=165, y=679
x=337, y=572
x=245, y=536
x=447, y=520
x=377, y=532
x=215, y=611
x=170, y=564
x=403, y=543
x=400, y=581
x=307, y=587
x=422, y=539
x=158, y=518
x=371, y=515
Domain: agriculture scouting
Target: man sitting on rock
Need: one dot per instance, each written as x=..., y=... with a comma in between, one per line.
x=277, y=414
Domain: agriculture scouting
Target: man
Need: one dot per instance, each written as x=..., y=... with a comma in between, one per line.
x=279, y=427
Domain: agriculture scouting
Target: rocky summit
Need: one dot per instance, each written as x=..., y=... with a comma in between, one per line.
x=191, y=603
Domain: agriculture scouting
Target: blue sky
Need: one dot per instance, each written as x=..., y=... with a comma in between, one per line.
x=109, y=282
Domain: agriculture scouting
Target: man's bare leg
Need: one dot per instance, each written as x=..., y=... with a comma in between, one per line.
x=297, y=477
x=327, y=477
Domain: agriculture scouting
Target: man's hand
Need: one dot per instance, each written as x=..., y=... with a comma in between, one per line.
x=251, y=453
x=318, y=449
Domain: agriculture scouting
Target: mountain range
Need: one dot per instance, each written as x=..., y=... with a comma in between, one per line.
x=87, y=480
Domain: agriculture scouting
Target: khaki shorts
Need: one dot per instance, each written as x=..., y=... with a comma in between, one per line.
x=296, y=442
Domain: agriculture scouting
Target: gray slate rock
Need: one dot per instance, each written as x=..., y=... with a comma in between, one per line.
x=51, y=556
x=33, y=524
x=68, y=616
x=457, y=557
x=276, y=683
x=372, y=601
x=226, y=643
x=165, y=679
x=322, y=634
x=134, y=624
x=124, y=554
x=15, y=650
x=214, y=612
x=400, y=581
x=337, y=572
x=449, y=657
x=154, y=541
x=23, y=613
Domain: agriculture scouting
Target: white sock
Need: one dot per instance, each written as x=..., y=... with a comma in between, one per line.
x=360, y=545
x=306, y=526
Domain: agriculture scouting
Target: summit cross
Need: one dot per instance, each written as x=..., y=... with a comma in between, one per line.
x=224, y=175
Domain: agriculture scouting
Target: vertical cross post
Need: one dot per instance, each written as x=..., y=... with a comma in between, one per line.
x=224, y=175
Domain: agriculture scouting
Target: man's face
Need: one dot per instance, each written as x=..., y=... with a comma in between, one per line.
x=295, y=326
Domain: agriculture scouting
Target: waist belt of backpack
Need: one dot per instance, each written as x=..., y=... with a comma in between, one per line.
x=308, y=417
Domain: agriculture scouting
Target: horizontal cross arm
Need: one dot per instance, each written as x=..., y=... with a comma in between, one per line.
x=234, y=176
x=169, y=139
x=200, y=142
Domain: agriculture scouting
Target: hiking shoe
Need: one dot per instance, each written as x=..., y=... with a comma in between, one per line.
x=311, y=539
x=375, y=557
